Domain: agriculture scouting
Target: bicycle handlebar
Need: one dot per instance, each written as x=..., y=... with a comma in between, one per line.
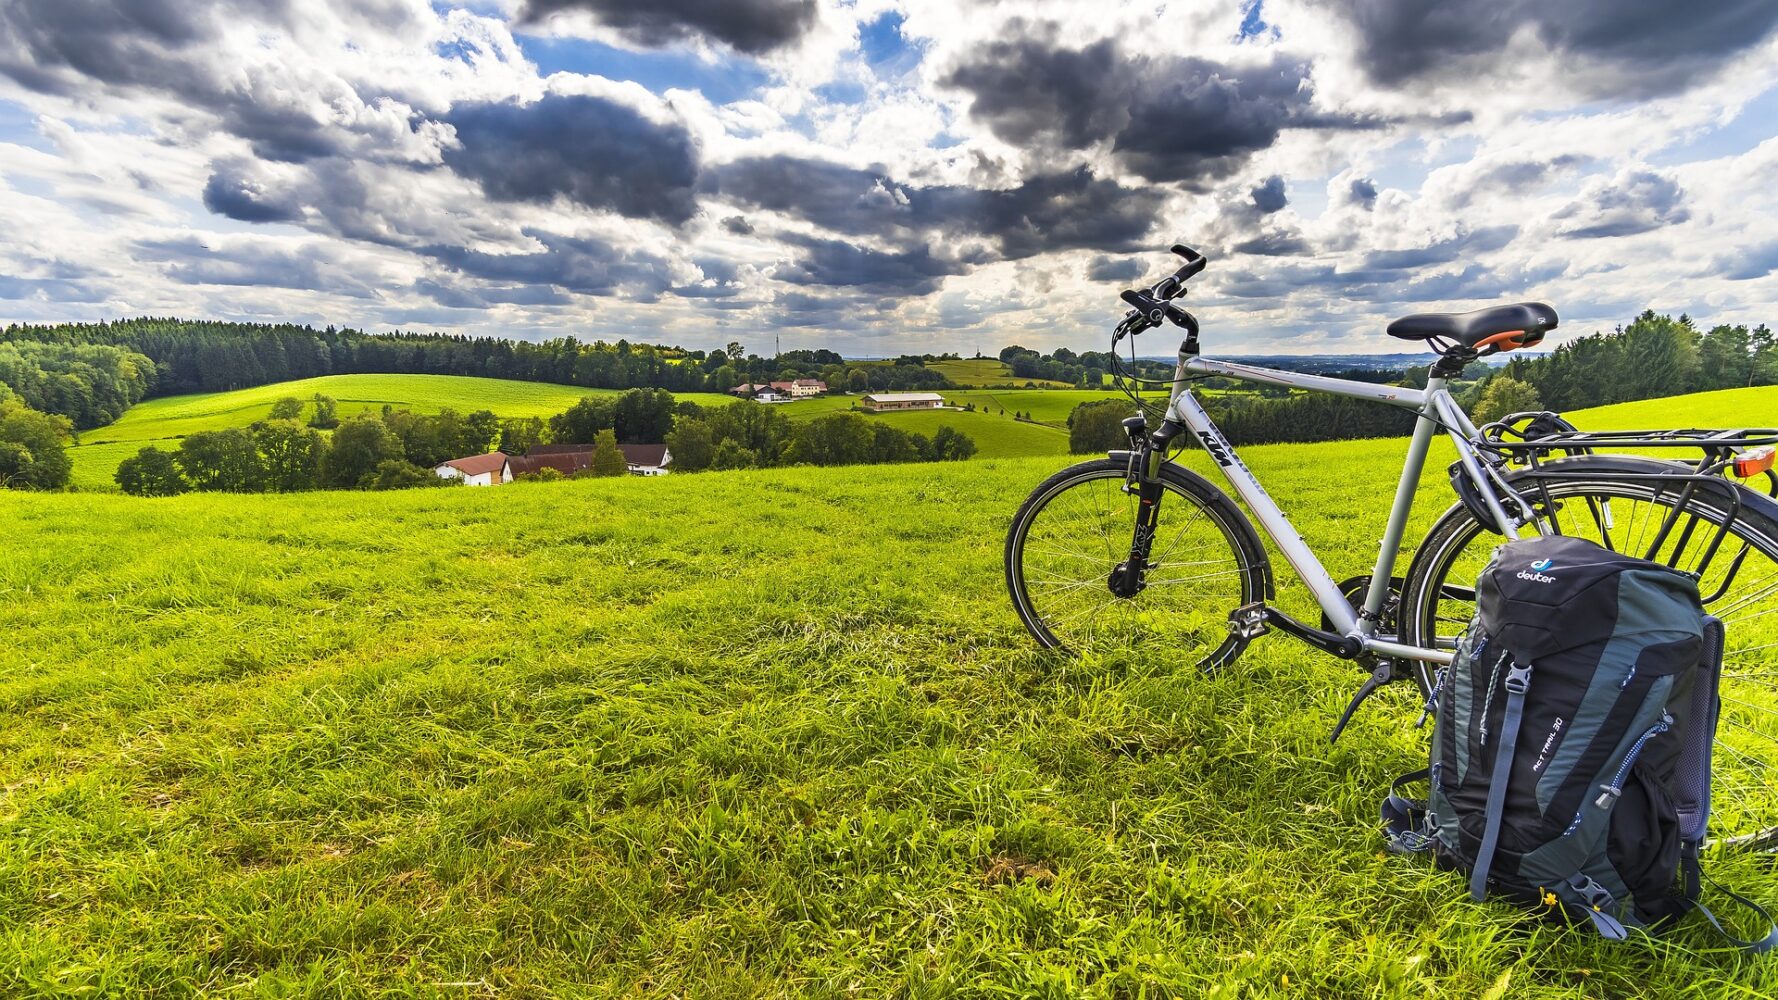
x=1153, y=305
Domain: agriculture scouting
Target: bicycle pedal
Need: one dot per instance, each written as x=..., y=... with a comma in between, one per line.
x=1249, y=621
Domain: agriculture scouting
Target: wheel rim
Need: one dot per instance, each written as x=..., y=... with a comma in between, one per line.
x=1068, y=543
x=1739, y=584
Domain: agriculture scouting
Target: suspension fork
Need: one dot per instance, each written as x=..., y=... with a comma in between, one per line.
x=1148, y=453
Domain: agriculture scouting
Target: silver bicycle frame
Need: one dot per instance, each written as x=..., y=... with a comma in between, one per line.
x=1435, y=410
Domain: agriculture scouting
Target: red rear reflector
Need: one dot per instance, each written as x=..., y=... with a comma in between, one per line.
x=1752, y=463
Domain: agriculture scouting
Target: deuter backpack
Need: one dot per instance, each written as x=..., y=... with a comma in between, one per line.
x=1570, y=759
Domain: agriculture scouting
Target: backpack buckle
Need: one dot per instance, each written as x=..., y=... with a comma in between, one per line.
x=1518, y=679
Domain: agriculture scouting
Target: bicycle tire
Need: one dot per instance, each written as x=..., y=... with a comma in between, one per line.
x=1249, y=569
x=1433, y=603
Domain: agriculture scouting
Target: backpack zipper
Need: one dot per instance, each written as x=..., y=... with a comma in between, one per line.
x=1611, y=791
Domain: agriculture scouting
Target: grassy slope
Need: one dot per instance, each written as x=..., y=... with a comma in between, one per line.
x=581, y=738
x=163, y=421
x=1753, y=407
x=985, y=371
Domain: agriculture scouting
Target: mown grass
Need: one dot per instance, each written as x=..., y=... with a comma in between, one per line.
x=744, y=734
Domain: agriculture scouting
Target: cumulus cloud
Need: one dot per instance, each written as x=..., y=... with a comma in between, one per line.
x=1634, y=201
x=1643, y=46
x=1168, y=118
x=753, y=26
x=586, y=149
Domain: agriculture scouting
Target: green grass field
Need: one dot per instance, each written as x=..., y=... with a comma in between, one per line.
x=977, y=372
x=768, y=733
x=1752, y=407
x=163, y=421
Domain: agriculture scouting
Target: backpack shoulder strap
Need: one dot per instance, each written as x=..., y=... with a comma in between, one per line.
x=1518, y=681
x=1691, y=771
x=1693, y=873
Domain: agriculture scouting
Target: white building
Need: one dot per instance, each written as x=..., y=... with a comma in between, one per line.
x=877, y=402
x=477, y=470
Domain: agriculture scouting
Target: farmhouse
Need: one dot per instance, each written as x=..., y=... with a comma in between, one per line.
x=749, y=389
x=477, y=470
x=878, y=402
x=801, y=388
x=568, y=459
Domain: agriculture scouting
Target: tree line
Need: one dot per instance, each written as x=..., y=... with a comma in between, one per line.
x=90, y=384
x=190, y=356
x=399, y=449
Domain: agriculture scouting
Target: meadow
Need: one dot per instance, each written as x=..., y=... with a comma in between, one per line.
x=163, y=421
x=764, y=733
x=979, y=372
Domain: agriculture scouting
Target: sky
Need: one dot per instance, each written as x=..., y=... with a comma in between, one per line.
x=886, y=176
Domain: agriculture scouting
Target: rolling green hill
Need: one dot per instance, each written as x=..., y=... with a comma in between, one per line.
x=1751, y=407
x=976, y=372
x=162, y=422
x=739, y=734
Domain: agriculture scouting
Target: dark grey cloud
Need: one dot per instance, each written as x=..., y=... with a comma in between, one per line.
x=229, y=192
x=1069, y=210
x=589, y=150
x=738, y=225
x=1362, y=192
x=1517, y=176
x=1123, y=271
x=1279, y=244
x=1635, y=201
x=1756, y=262
x=1443, y=251
x=1168, y=118
x=752, y=26
x=188, y=260
x=460, y=295
x=837, y=263
x=1652, y=46
x=1269, y=196
x=581, y=265
x=48, y=289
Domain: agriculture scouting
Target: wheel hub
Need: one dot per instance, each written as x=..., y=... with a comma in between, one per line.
x=1125, y=582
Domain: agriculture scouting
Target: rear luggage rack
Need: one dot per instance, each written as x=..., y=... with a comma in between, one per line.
x=1527, y=438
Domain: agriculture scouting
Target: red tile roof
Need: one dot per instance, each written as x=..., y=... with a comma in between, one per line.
x=477, y=465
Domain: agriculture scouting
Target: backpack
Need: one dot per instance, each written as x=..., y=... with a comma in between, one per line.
x=1570, y=759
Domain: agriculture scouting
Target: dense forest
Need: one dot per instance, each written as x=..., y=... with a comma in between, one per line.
x=203, y=356
x=398, y=449
x=90, y=384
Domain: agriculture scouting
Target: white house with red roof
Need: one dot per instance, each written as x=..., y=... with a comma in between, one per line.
x=477, y=470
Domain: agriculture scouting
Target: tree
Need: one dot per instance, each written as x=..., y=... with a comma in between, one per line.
x=225, y=461
x=151, y=473
x=608, y=458
x=36, y=456
x=734, y=350
x=643, y=416
x=358, y=447
x=520, y=434
x=582, y=422
x=1098, y=426
x=1503, y=395
x=950, y=445
x=837, y=439
x=730, y=454
x=326, y=415
x=288, y=408
x=481, y=433
x=291, y=454
x=395, y=474
x=691, y=445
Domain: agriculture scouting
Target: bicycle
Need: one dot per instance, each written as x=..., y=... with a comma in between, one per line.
x=1091, y=566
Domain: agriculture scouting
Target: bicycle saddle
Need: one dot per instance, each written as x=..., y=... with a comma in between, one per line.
x=1531, y=320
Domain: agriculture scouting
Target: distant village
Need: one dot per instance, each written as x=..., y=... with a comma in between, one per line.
x=498, y=467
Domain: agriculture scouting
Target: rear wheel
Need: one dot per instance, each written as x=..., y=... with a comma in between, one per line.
x=1075, y=530
x=1738, y=582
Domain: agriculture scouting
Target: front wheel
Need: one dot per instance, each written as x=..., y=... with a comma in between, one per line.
x=1073, y=535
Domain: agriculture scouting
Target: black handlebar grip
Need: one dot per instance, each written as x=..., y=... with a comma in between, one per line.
x=1194, y=261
